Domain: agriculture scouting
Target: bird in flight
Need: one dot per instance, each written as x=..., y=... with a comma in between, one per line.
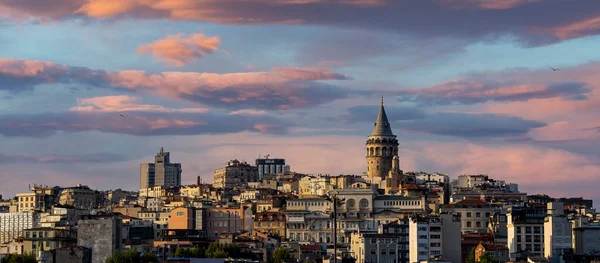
x=122, y=115
x=554, y=69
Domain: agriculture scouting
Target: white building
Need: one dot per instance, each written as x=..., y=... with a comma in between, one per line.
x=525, y=231
x=425, y=239
x=557, y=233
x=13, y=224
x=375, y=248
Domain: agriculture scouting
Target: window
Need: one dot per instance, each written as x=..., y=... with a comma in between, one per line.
x=528, y=238
x=372, y=251
x=528, y=230
x=435, y=236
x=383, y=251
x=478, y=224
x=468, y=223
x=469, y=214
x=477, y=214
x=519, y=238
x=392, y=252
x=180, y=213
x=519, y=230
x=487, y=214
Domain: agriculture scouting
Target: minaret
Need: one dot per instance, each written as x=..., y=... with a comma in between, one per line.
x=382, y=146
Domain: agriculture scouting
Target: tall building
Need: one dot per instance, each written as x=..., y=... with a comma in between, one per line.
x=271, y=166
x=160, y=173
x=558, y=233
x=13, y=224
x=382, y=147
x=525, y=229
x=235, y=173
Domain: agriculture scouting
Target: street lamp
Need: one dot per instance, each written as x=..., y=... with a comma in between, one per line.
x=336, y=201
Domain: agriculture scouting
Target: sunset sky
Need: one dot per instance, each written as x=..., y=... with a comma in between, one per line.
x=468, y=88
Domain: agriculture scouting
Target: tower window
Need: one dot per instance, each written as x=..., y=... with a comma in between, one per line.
x=377, y=151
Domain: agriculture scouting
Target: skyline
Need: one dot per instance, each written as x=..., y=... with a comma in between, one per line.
x=470, y=92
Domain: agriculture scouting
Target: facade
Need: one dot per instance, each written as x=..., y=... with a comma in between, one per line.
x=102, y=234
x=525, y=229
x=375, y=248
x=558, y=234
x=12, y=225
x=47, y=239
x=382, y=147
x=586, y=239
x=498, y=251
x=309, y=220
x=80, y=196
x=235, y=173
x=271, y=166
x=227, y=220
x=182, y=218
x=160, y=173
x=425, y=239
x=270, y=222
x=474, y=213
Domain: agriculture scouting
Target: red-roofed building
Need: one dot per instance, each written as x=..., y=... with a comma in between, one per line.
x=498, y=251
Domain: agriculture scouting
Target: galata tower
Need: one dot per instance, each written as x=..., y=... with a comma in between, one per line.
x=382, y=146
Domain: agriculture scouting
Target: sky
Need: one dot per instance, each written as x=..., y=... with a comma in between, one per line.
x=508, y=88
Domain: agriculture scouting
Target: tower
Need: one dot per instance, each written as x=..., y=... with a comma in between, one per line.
x=382, y=147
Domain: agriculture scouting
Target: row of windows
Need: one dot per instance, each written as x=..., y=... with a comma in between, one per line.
x=403, y=203
x=529, y=230
x=477, y=214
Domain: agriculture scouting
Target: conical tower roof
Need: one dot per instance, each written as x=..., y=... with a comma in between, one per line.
x=382, y=125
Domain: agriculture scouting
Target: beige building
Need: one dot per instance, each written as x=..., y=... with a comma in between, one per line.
x=80, y=196
x=235, y=173
x=182, y=218
x=270, y=222
x=160, y=173
x=313, y=186
x=220, y=220
x=474, y=214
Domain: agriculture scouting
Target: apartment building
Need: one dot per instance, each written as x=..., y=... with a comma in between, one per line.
x=270, y=222
x=47, y=239
x=474, y=213
x=227, y=220
x=376, y=248
x=12, y=225
x=525, y=229
x=235, y=173
x=80, y=196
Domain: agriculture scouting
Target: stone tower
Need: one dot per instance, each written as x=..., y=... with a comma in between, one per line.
x=382, y=146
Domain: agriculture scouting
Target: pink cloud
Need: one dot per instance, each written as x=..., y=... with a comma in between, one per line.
x=485, y=4
x=577, y=29
x=124, y=103
x=249, y=112
x=281, y=88
x=180, y=49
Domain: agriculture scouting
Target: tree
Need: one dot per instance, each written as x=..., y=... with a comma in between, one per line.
x=215, y=250
x=471, y=258
x=14, y=258
x=487, y=258
x=280, y=254
x=131, y=256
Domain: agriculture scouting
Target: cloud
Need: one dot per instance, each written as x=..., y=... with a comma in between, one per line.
x=281, y=88
x=368, y=113
x=472, y=125
x=122, y=103
x=138, y=123
x=485, y=4
x=69, y=159
x=531, y=22
x=249, y=112
x=473, y=90
x=180, y=49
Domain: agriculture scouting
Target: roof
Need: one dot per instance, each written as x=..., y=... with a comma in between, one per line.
x=382, y=125
x=494, y=247
x=396, y=197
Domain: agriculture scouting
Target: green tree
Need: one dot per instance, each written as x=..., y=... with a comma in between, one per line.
x=487, y=258
x=471, y=258
x=280, y=254
x=131, y=256
x=215, y=250
x=14, y=258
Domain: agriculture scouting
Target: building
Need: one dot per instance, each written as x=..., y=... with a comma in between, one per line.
x=182, y=218
x=558, y=234
x=227, y=220
x=497, y=251
x=474, y=213
x=235, y=173
x=46, y=239
x=41, y=198
x=309, y=220
x=270, y=222
x=69, y=254
x=425, y=238
x=102, y=234
x=382, y=147
x=271, y=166
x=525, y=229
x=375, y=248
x=12, y=225
x=586, y=239
x=80, y=196
x=160, y=173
